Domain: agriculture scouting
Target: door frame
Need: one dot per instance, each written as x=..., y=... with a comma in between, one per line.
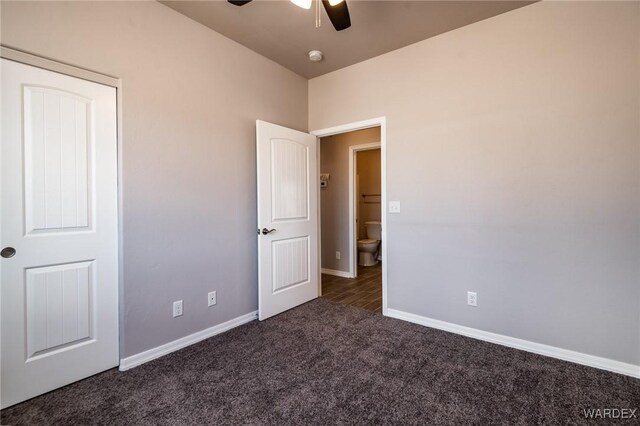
x=106, y=80
x=353, y=203
x=350, y=127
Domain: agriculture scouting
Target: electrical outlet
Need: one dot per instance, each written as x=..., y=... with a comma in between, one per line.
x=211, y=298
x=394, y=206
x=177, y=308
x=338, y=255
x=472, y=298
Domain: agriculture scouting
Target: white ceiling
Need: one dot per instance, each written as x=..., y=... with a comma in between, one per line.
x=285, y=33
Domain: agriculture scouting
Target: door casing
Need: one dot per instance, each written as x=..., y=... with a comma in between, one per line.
x=353, y=203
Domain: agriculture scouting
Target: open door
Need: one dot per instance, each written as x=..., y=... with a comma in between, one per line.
x=288, y=271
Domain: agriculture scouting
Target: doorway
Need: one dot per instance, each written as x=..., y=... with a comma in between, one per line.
x=352, y=214
x=289, y=183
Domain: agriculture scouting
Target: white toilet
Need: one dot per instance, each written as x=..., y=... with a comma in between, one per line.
x=369, y=248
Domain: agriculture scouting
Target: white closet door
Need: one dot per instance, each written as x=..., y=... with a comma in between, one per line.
x=58, y=231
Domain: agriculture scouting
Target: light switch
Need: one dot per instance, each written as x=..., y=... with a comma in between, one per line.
x=394, y=206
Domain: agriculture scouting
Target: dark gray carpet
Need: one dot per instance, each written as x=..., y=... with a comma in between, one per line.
x=324, y=363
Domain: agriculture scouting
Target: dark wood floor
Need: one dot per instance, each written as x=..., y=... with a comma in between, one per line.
x=363, y=292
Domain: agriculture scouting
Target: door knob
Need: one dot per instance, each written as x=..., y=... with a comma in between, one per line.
x=8, y=252
x=266, y=231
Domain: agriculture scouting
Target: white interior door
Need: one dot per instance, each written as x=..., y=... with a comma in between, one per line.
x=58, y=231
x=288, y=273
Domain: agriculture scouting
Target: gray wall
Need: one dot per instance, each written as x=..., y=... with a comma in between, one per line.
x=514, y=147
x=513, y=144
x=369, y=171
x=190, y=101
x=334, y=200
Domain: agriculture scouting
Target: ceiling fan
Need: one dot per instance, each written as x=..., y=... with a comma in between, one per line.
x=336, y=9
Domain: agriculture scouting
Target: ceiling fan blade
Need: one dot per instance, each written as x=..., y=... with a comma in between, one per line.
x=338, y=14
x=239, y=2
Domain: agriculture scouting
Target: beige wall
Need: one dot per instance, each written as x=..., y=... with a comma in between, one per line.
x=334, y=200
x=514, y=148
x=369, y=182
x=190, y=101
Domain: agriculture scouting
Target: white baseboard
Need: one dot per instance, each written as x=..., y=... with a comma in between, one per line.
x=167, y=348
x=525, y=345
x=342, y=274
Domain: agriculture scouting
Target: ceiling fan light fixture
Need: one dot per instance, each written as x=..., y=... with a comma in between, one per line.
x=305, y=4
x=337, y=10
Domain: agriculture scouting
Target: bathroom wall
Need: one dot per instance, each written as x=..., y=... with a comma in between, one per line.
x=369, y=182
x=513, y=145
x=334, y=159
x=190, y=99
